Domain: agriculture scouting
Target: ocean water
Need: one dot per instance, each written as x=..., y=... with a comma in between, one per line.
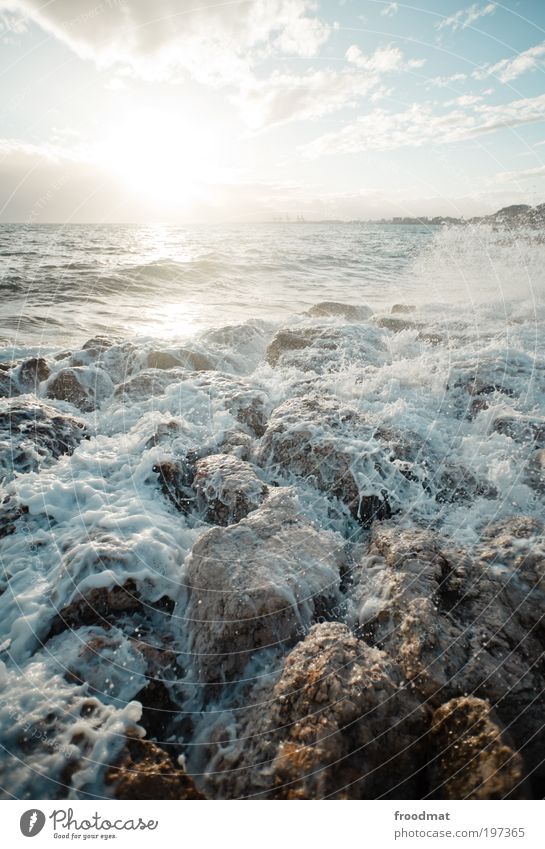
x=461, y=377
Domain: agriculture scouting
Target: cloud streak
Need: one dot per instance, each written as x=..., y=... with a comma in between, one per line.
x=420, y=125
x=466, y=17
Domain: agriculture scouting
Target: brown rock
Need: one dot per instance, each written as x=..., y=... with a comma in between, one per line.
x=471, y=755
x=227, y=489
x=144, y=770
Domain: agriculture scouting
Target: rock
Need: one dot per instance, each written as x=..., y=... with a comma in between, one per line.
x=98, y=606
x=338, y=723
x=147, y=384
x=237, y=443
x=522, y=429
x=256, y=584
x=164, y=433
x=33, y=435
x=162, y=360
x=326, y=348
x=144, y=770
x=98, y=344
x=10, y=510
x=535, y=471
x=350, y=312
x=84, y=387
x=456, y=483
x=333, y=447
x=181, y=357
x=471, y=755
x=286, y=341
x=32, y=372
x=176, y=479
x=244, y=400
x=430, y=338
x=402, y=309
x=458, y=624
x=395, y=323
x=227, y=489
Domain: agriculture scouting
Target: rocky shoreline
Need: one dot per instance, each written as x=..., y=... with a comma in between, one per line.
x=216, y=585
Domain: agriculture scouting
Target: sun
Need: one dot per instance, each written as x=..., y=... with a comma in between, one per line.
x=160, y=156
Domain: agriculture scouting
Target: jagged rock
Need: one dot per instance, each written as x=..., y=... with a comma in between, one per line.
x=245, y=401
x=98, y=344
x=181, y=357
x=255, y=584
x=148, y=384
x=33, y=434
x=10, y=510
x=327, y=348
x=457, y=483
x=237, y=443
x=395, y=323
x=332, y=446
x=144, y=770
x=338, y=723
x=227, y=489
x=97, y=606
x=430, y=337
x=31, y=373
x=535, y=471
x=164, y=432
x=350, y=312
x=471, y=756
x=458, y=624
x=402, y=309
x=517, y=544
x=84, y=387
x=176, y=479
x=522, y=429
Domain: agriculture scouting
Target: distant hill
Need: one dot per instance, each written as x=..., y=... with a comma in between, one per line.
x=516, y=215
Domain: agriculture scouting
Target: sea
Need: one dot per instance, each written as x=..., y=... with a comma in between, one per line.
x=436, y=333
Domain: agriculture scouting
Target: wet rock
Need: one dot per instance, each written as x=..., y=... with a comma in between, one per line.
x=516, y=544
x=165, y=431
x=244, y=400
x=237, y=443
x=338, y=723
x=523, y=429
x=98, y=344
x=144, y=770
x=327, y=348
x=227, y=489
x=402, y=309
x=32, y=372
x=430, y=337
x=284, y=342
x=456, y=483
x=255, y=584
x=147, y=384
x=459, y=624
x=83, y=387
x=33, y=434
x=350, y=312
x=10, y=511
x=395, y=323
x=472, y=757
x=333, y=447
x=194, y=360
x=100, y=605
x=176, y=479
x=535, y=471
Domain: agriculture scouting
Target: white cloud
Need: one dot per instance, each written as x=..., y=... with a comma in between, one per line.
x=286, y=97
x=420, y=125
x=446, y=82
x=383, y=60
x=525, y=174
x=466, y=17
x=509, y=69
x=212, y=41
x=390, y=9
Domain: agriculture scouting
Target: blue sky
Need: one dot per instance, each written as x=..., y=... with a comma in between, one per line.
x=188, y=110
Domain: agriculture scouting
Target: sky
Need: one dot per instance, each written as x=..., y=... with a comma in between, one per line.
x=194, y=110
